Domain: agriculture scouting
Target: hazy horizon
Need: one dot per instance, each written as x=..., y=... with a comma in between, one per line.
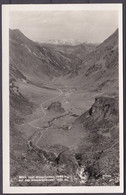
x=80, y=26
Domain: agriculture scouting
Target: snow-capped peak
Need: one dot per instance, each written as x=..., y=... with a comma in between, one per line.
x=63, y=42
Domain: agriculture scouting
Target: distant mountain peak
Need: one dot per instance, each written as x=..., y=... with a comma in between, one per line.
x=63, y=42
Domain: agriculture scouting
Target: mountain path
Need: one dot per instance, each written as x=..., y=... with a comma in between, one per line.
x=30, y=123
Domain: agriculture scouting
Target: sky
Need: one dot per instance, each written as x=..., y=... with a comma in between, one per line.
x=82, y=26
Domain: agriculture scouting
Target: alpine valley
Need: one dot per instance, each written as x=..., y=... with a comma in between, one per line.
x=64, y=112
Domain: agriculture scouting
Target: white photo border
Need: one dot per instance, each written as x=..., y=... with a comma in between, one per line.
x=6, y=9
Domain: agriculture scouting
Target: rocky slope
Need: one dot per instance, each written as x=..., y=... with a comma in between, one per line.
x=101, y=157
x=104, y=108
x=99, y=69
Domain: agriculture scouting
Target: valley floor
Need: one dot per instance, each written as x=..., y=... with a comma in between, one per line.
x=49, y=133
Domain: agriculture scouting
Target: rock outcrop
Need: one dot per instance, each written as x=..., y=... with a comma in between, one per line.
x=56, y=107
x=103, y=113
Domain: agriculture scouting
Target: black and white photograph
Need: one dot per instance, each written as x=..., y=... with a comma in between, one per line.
x=62, y=98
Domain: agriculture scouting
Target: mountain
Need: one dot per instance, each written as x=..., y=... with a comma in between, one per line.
x=99, y=69
x=45, y=61
x=34, y=62
x=79, y=51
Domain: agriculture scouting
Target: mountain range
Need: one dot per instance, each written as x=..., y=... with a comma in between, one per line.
x=63, y=42
x=85, y=63
x=84, y=79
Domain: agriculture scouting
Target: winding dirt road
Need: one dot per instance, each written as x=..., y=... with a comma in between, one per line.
x=30, y=123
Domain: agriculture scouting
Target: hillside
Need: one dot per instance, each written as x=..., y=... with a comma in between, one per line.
x=99, y=69
x=79, y=51
x=101, y=122
x=35, y=63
